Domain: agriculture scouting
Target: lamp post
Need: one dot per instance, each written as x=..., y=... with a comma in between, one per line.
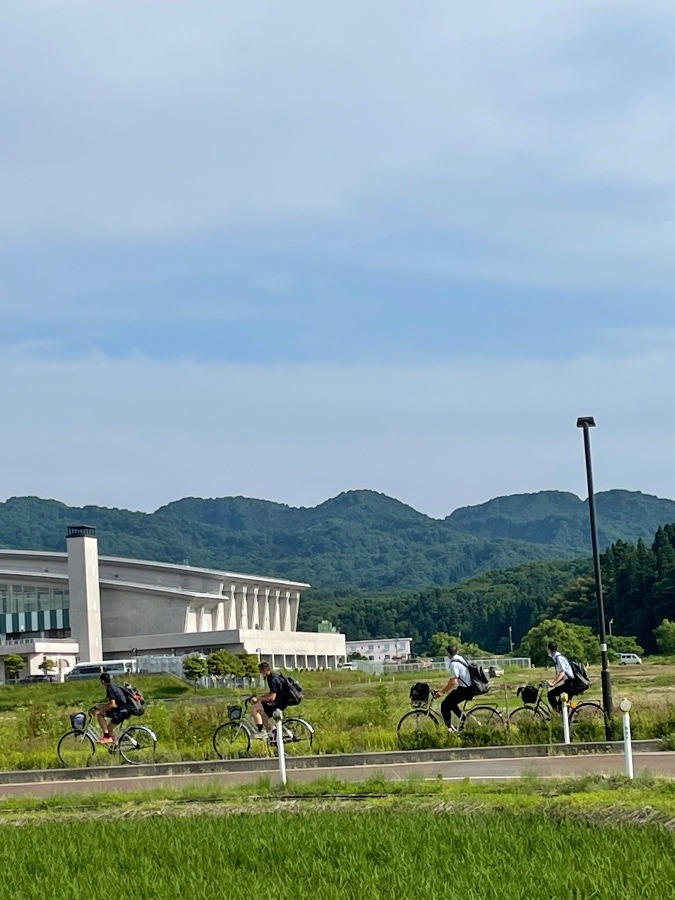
x=585, y=423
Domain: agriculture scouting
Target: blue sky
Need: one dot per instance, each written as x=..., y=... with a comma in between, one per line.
x=285, y=250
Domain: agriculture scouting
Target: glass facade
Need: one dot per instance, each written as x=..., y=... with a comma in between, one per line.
x=29, y=598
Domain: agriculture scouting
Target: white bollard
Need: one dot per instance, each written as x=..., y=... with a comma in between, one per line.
x=566, y=719
x=281, y=750
x=625, y=706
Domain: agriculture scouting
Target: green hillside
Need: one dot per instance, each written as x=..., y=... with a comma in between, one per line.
x=357, y=539
x=381, y=568
x=559, y=519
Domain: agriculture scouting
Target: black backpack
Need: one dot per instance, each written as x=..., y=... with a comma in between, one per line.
x=580, y=676
x=292, y=690
x=135, y=700
x=480, y=683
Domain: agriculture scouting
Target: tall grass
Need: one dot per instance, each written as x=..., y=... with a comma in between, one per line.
x=339, y=856
x=350, y=714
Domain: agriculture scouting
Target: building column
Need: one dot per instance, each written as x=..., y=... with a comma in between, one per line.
x=252, y=606
x=285, y=611
x=240, y=602
x=274, y=609
x=264, y=608
x=230, y=610
x=295, y=606
x=84, y=591
x=219, y=618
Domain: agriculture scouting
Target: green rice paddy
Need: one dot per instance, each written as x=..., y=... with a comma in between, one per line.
x=336, y=855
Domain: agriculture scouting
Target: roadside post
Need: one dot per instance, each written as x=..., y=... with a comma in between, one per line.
x=566, y=719
x=281, y=750
x=625, y=707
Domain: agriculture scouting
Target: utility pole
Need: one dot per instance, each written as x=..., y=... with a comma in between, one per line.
x=587, y=422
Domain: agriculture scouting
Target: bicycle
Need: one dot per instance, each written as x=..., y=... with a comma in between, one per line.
x=422, y=725
x=233, y=739
x=136, y=744
x=538, y=708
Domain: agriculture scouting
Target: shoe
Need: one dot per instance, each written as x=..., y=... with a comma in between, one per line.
x=259, y=736
x=106, y=739
x=452, y=729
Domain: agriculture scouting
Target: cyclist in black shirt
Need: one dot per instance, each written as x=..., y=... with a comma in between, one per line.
x=115, y=709
x=275, y=698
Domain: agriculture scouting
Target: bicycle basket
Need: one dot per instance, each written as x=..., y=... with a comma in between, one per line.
x=419, y=694
x=78, y=721
x=529, y=693
x=234, y=712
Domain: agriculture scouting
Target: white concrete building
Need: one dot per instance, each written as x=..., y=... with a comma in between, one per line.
x=381, y=649
x=109, y=607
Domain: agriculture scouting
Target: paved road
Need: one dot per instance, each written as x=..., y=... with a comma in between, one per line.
x=662, y=764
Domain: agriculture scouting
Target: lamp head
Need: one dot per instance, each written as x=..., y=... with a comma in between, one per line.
x=585, y=422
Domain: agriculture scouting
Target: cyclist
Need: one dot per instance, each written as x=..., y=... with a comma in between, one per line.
x=114, y=709
x=458, y=688
x=275, y=698
x=563, y=683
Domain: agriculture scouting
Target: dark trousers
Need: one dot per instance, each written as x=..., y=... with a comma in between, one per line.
x=567, y=687
x=451, y=703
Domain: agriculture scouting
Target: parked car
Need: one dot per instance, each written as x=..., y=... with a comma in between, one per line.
x=629, y=659
x=117, y=668
x=36, y=679
x=350, y=666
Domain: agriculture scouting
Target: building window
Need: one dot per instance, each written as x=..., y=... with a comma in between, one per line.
x=30, y=598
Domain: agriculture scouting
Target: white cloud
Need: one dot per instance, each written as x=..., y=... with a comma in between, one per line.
x=138, y=433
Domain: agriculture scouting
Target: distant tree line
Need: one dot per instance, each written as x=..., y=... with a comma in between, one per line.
x=497, y=609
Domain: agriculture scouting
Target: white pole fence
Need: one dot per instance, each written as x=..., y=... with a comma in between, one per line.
x=281, y=750
x=625, y=706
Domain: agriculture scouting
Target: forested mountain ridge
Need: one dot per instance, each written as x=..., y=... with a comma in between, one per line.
x=359, y=538
x=560, y=519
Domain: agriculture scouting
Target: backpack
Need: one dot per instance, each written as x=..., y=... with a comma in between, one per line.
x=480, y=683
x=581, y=680
x=292, y=690
x=135, y=700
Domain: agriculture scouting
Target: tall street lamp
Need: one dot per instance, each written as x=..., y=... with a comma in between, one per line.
x=585, y=423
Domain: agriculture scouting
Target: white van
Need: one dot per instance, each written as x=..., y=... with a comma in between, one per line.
x=115, y=667
x=629, y=659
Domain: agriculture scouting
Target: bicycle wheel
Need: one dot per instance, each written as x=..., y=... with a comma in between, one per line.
x=298, y=737
x=76, y=750
x=587, y=721
x=524, y=715
x=137, y=745
x=484, y=717
x=231, y=740
x=588, y=710
x=418, y=729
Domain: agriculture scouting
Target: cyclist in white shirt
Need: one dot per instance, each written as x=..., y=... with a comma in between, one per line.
x=458, y=688
x=563, y=683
